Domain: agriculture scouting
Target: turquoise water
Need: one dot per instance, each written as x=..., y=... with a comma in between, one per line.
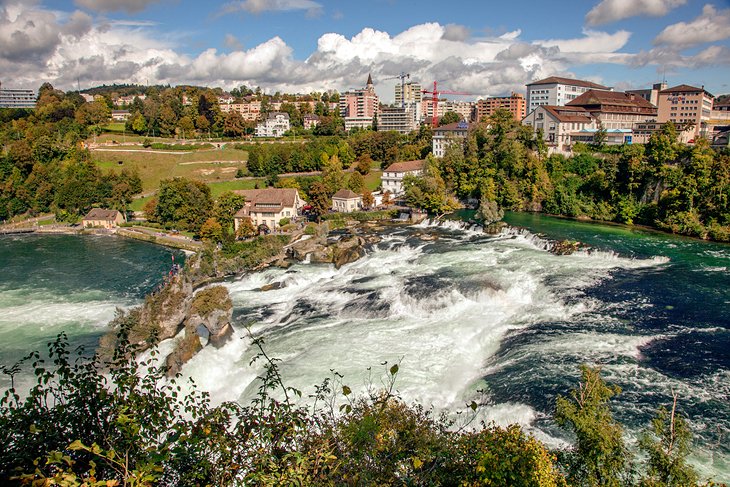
x=55, y=283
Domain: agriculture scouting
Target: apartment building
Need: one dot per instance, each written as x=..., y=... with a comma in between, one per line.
x=686, y=104
x=17, y=98
x=358, y=107
x=250, y=110
x=557, y=91
x=403, y=120
x=615, y=110
x=392, y=180
x=514, y=103
x=650, y=94
x=465, y=109
x=409, y=93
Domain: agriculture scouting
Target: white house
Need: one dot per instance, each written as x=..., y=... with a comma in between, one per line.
x=447, y=135
x=393, y=175
x=268, y=206
x=275, y=125
x=558, y=123
x=346, y=201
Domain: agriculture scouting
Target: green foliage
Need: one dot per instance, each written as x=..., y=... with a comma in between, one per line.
x=209, y=300
x=428, y=191
x=183, y=203
x=600, y=456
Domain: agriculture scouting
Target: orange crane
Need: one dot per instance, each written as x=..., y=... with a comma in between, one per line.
x=435, y=100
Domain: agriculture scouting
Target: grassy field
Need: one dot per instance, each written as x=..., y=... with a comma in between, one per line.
x=372, y=180
x=153, y=166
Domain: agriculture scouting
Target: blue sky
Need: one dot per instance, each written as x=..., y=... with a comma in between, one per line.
x=484, y=47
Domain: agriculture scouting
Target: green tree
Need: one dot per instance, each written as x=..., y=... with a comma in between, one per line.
x=667, y=444
x=226, y=206
x=183, y=203
x=333, y=177
x=428, y=191
x=356, y=182
x=449, y=117
x=600, y=457
x=211, y=230
x=319, y=199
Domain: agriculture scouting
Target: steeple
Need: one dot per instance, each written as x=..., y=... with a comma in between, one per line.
x=370, y=80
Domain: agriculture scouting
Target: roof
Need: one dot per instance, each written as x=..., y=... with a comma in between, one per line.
x=281, y=196
x=345, y=194
x=454, y=127
x=615, y=98
x=567, y=81
x=568, y=114
x=685, y=89
x=370, y=80
x=406, y=166
x=101, y=214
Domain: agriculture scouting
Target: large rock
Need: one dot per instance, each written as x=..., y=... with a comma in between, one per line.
x=167, y=309
x=184, y=350
x=212, y=308
x=347, y=250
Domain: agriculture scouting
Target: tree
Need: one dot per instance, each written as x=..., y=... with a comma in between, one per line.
x=428, y=191
x=356, y=182
x=367, y=199
x=599, y=456
x=211, y=230
x=364, y=164
x=667, y=444
x=600, y=137
x=319, y=199
x=449, y=117
x=226, y=206
x=233, y=125
x=245, y=229
x=333, y=177
x=183, y=203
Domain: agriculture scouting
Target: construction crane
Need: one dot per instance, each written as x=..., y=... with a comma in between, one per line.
x=435, y=100
x=402, y=77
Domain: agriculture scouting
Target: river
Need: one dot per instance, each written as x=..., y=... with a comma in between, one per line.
x=496, y=319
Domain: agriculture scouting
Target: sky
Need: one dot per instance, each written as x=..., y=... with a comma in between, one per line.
x=482, y=47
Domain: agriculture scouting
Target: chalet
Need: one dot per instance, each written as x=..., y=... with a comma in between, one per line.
x=346, y=201
x=268, y=206
x=100, y=218
x=393, y=175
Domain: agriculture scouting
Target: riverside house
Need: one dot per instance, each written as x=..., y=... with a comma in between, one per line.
x=101, y=218
x=393, y=175
x=268, y=206
x=346, y=201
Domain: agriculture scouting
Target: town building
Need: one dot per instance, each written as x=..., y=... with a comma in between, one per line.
x=447, y=135
x=250, y=110
x=346, y=201
x=17, y=98
x=465, y=109
x=101, y=218
x=557, y=91
x=644, y=131
x=226, y=99
x=557, y=123
x=720, y=112
x=615, y=110
x=650, y=94
x=403, y=120
x=276, y=124
x=514, y=103
x=268, y=206
x=124, y=101
x=358, y=108
x=408, y=93
x=120, y=115
x=686, y=105
x=392, y=180
x=310, y=121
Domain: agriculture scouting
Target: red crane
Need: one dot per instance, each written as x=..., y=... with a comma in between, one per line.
x=435, y=100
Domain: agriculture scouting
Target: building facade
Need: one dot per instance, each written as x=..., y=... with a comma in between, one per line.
x=249, y=110
x=558, y=123
x=557, y=91
x=401, y=120
x=359, y=107
x=392, y=180
x=650, y=94
x=445, y=136
x=408, y=93
x=346, y=201
x=686, y=105
x=615, y=110
x=268, y=206
x=17, y=98
x=100, y=218
x=515, y=104
x=276, y=124
x=465, y=109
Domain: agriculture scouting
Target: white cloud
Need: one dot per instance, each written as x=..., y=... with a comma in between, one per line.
x=260, y=6
x=456, y=32
x=712, y=25
x=613, y=10
x=130, y=6
x=592, y=42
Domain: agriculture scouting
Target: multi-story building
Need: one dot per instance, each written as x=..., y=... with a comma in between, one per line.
x=687, y=105
x=310, y=121
x=615, y=110
x=643, y=132
x=557, y=91
x=401, y=120
x=559, y=123
x=249, y=110
x=358, y=107
x=17, y=98
x=268, y=206
x=465, y=109
x=445, y=136
x=408, y=93
x=515, y=104
x=276, y=124
x=650, y=94
x=124, y=101
x=392, y=180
